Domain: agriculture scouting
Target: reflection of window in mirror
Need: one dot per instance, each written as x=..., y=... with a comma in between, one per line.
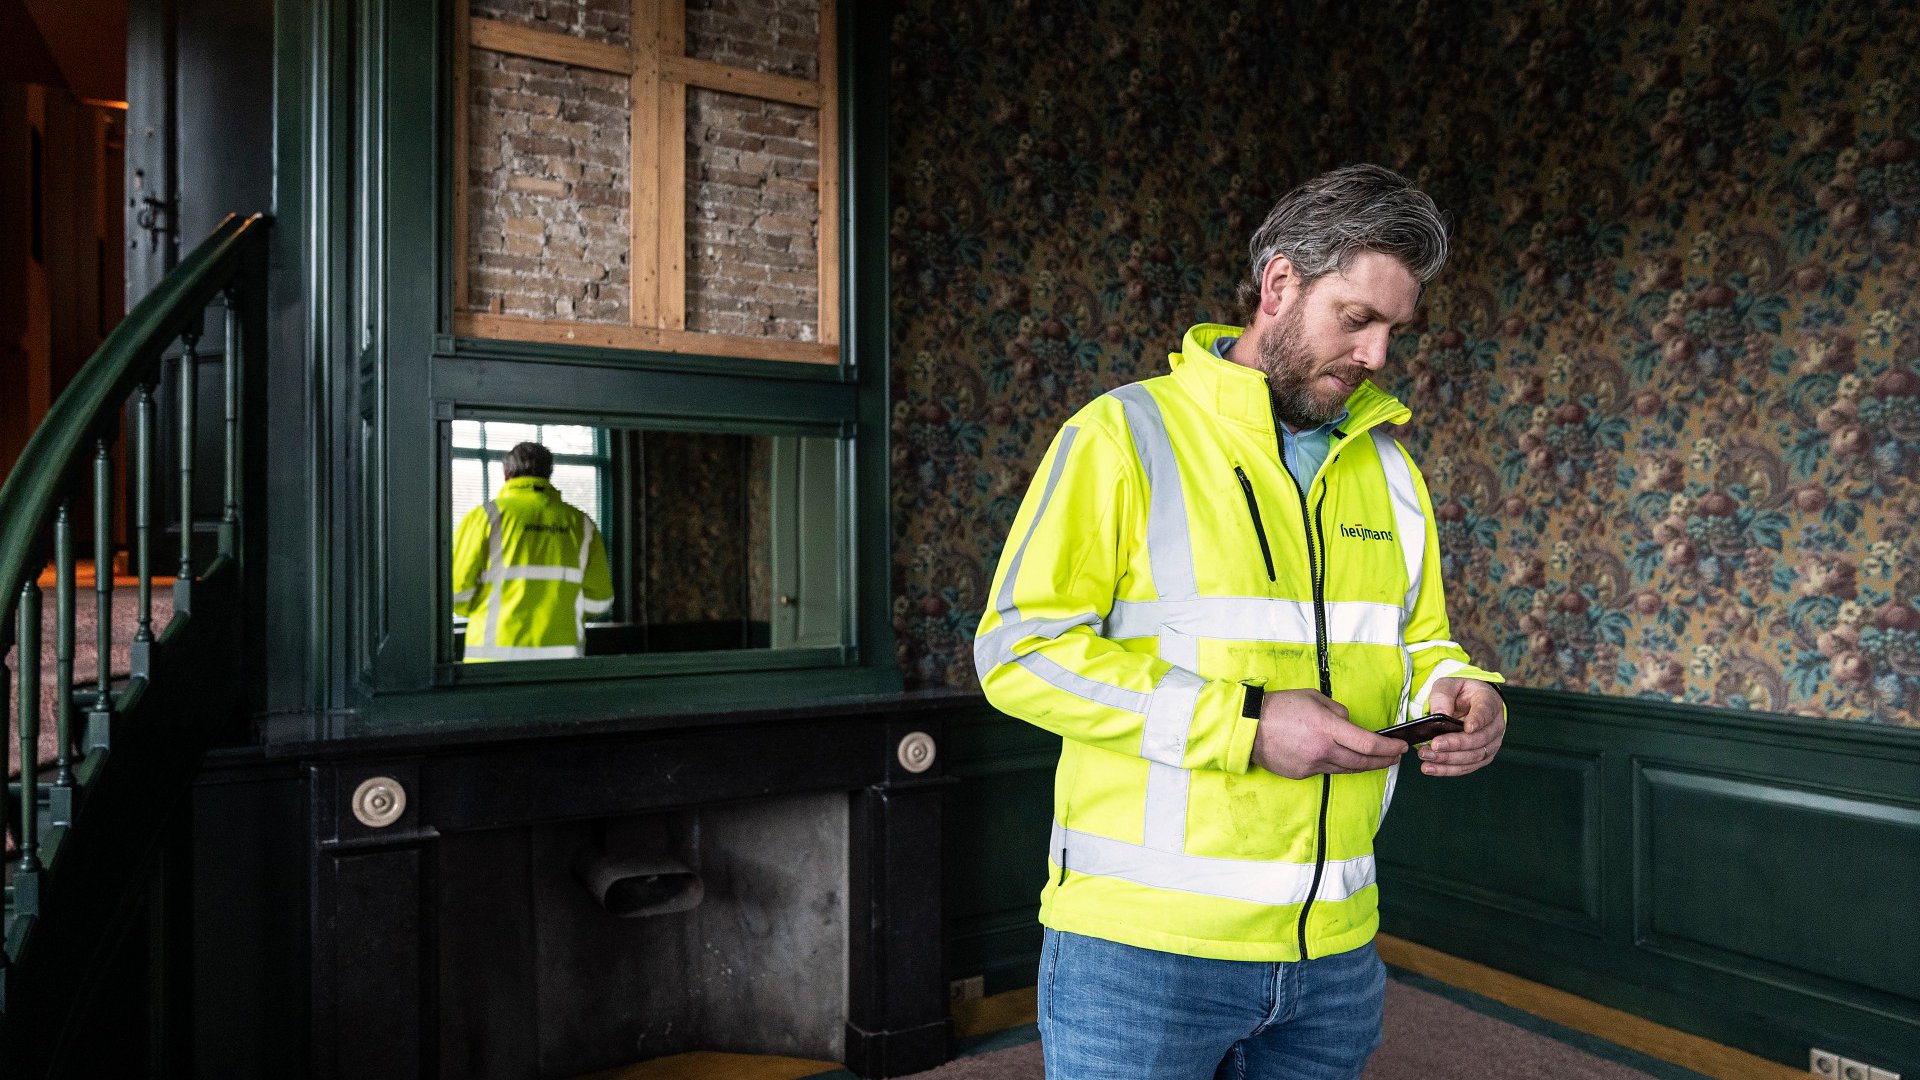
x=713, y=541
x=530, y=561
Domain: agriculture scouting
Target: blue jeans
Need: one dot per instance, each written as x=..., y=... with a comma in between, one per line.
x=1115, y=1012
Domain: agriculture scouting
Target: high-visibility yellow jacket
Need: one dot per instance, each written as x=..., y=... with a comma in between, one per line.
x=527, y=571
x=1164, y=562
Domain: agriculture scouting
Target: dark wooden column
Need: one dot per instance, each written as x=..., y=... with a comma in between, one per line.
x=897, y=1011
x=371, y=944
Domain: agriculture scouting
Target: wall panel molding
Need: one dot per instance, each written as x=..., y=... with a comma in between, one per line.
x=1756, y=874
x=1423, y=845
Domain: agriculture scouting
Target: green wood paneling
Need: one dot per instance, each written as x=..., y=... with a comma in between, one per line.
x=995, y=845
x=1780, y=880
x=1447, y=833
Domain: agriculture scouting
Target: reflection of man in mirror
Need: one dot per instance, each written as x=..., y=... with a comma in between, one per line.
x=528, y=568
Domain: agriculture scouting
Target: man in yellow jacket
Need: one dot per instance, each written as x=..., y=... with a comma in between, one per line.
x=528, y=569
x=1221, y=584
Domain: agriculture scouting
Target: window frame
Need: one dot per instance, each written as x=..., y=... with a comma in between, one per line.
x=600, y=461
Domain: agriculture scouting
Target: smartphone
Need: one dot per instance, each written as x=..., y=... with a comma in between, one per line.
x=1415, y=732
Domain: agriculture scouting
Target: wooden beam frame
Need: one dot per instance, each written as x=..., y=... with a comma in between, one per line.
x=461, y=154
x=654, y=339
x=829, y=134
x=659, y=74
x=671, y=235
x=496, y=36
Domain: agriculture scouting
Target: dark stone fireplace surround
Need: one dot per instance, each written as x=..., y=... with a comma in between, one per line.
x=453, y=942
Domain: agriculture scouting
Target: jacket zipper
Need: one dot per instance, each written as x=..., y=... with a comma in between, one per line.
x=1312, y=524
x=1259, y=530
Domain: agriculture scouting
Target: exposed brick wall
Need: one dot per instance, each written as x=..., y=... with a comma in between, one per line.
x=753, y=217
x=595, y=20
x=781, y=37
x=548, y=173
x=548, y=161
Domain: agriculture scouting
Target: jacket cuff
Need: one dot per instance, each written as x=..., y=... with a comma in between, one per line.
x=1245, y=727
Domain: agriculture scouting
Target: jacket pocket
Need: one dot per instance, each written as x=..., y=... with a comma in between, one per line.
x=1253, y=511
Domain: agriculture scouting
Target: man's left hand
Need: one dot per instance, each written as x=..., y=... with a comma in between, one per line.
x=1478, y=706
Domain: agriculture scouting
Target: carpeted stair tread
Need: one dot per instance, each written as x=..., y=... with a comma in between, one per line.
x=126, y=604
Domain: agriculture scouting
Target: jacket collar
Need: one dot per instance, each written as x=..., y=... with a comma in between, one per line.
x=1239, y=393
x=527, y=483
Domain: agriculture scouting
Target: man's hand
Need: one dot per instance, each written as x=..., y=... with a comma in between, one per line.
x=1304, y=733
x=1475, y=704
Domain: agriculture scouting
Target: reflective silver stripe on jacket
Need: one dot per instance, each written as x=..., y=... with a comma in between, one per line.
x=992, y=649
x=1169, y=720
x=1065, y=679
x=523, y=652
x=1252, y=881
x=1169, y=542
x=571, y=574
x=1256, y=618
x=995, y=647
x=1386, y=795
x=496, y=558
x=1411, y=525
x=1004, y=602
x=1440, y=671
x=580, y=598
x=1163, y=742
x=1407, y=518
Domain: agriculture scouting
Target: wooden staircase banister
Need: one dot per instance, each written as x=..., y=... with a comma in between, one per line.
x=86, y=827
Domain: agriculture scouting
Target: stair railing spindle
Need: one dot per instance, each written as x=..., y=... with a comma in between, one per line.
x=63, y=592
x=6, y=675
x=230, y=519
x=189, y=361
x=27, y=660
x=143, y=525
x=103, y=577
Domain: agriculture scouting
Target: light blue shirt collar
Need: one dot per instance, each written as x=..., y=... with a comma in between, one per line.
x=1302, y=452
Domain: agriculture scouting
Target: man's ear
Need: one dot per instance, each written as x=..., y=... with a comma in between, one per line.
x=1275, y=280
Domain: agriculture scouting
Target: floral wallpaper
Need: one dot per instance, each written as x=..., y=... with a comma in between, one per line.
x=1665, y=391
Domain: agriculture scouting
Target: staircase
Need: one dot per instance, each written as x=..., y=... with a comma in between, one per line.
x=100, y=762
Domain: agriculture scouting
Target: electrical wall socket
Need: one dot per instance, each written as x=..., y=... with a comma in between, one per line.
x=974, y=987
x=1852, y=1070
x=1823, y=1063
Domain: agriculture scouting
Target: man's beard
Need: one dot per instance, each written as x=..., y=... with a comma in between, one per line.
x=1291, y=377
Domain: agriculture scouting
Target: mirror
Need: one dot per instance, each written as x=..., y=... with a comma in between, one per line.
x=567, y=540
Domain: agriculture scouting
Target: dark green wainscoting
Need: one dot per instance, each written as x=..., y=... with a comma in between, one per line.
x=996, y=852
x=1751, y=879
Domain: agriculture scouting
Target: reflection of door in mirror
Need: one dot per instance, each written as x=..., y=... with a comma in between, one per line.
x=714, y=541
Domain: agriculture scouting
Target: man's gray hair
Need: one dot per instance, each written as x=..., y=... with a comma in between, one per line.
x=528, y=459
x=1321, y=224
